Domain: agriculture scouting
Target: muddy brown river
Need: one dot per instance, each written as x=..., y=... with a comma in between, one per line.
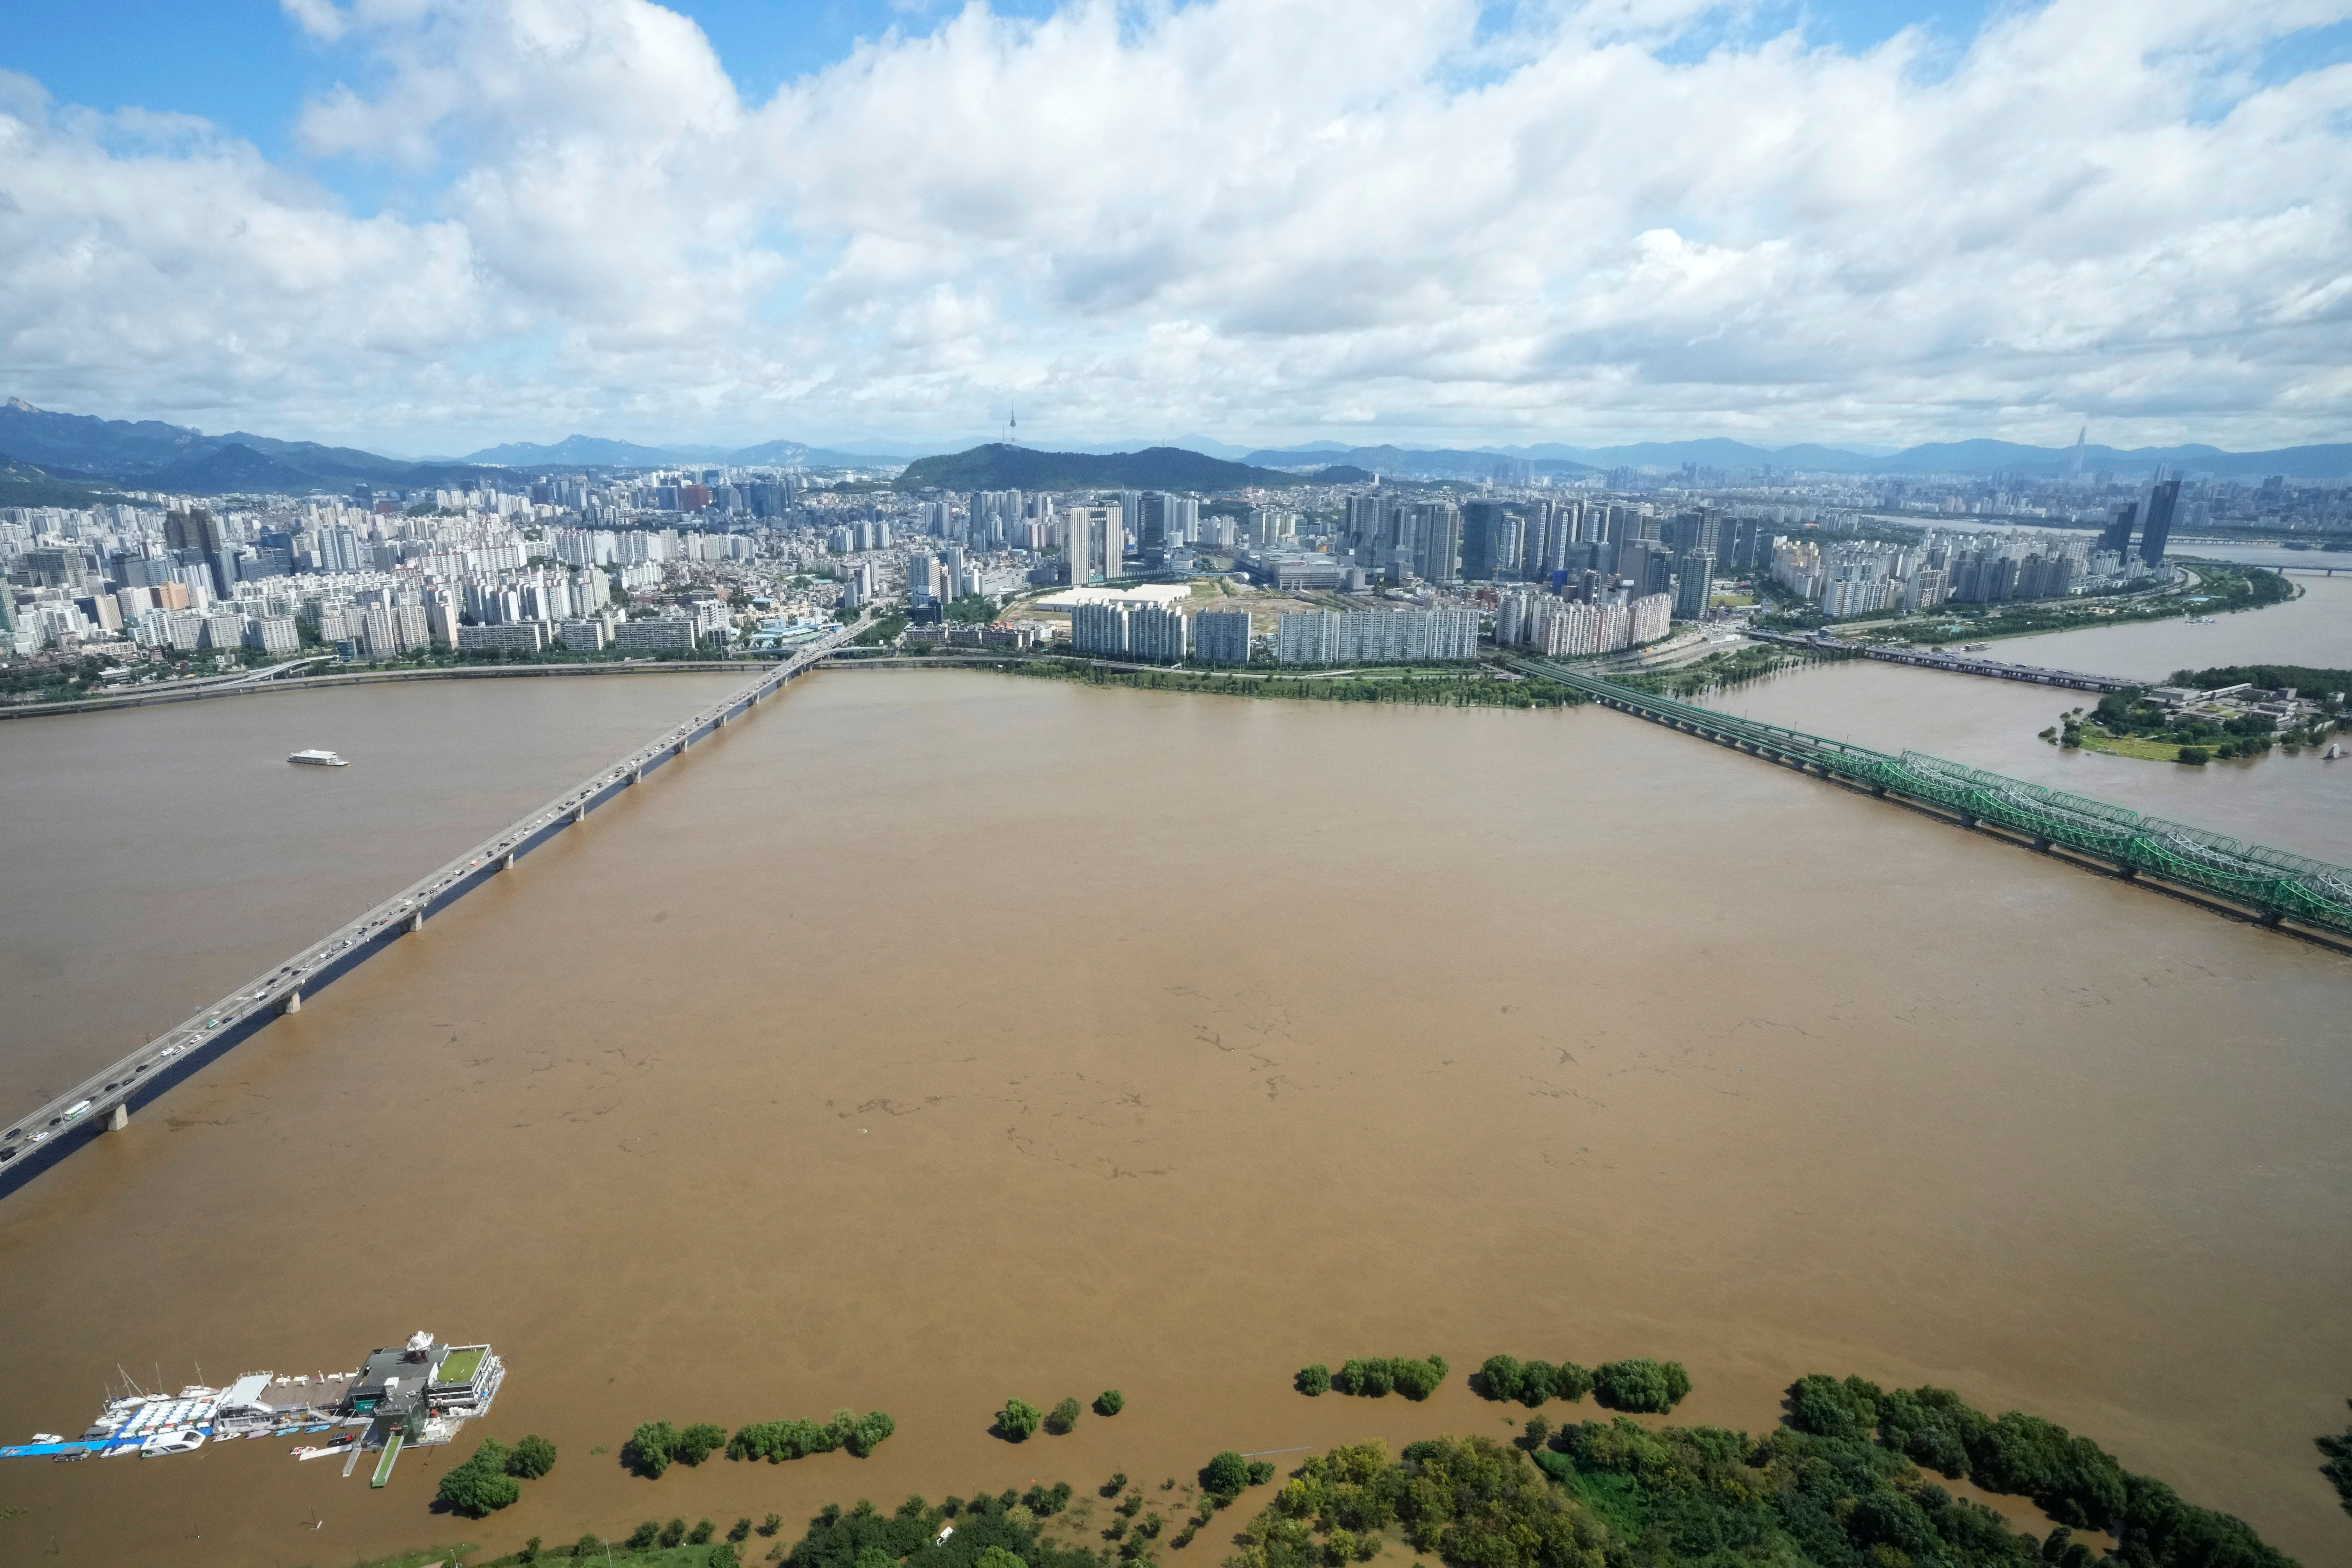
x=934, y=1037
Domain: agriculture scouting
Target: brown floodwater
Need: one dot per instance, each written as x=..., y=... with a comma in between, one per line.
x=2301, y=803
x=939, y=1037
x=157, y=857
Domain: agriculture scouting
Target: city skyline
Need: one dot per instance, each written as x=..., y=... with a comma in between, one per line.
x=424, y=228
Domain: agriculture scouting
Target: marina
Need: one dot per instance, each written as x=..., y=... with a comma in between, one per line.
x=415, y=1395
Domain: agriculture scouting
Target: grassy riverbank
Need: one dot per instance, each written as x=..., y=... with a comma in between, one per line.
x=1458, y=687
x=1716, y=670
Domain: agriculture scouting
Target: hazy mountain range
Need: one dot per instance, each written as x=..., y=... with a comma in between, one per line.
x=52, y=453
x=998, y=466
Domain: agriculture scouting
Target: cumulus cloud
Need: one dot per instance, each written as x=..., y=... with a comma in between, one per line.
x=1262, y=219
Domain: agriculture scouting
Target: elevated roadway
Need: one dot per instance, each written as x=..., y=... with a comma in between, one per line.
x=106, y=1099
x=2273, y=886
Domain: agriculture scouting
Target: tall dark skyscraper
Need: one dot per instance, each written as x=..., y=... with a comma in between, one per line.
x=2117, y=536
x=1482, y=540
x=2160, y=505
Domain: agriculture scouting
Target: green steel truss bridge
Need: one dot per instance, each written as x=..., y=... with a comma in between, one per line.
x=2278, y=888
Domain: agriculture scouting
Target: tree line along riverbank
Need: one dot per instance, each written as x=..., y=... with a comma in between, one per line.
x=1851, y=1477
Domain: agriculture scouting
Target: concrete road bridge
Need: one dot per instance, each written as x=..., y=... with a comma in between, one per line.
x=105, y=1100
x=1955, y=663
x=2278, y=889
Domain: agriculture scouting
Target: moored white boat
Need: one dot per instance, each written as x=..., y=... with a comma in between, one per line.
x=318, y=759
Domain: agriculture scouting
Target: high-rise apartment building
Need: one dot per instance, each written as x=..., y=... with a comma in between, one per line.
x=1221, y=636
x=1695, y=583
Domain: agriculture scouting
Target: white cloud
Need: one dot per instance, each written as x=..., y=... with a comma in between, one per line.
x=1257, y=217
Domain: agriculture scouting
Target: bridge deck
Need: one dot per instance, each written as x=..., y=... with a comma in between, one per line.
x=1954, y=663
x=172, y=1055
x=2271, y=883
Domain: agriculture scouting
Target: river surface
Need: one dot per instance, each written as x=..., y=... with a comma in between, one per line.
x=938, y=1036
x=2299, y=803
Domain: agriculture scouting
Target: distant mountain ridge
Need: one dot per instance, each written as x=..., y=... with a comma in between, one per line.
x=81, y=448
x=1973, y=457
x=999, y=465
x=150, y=455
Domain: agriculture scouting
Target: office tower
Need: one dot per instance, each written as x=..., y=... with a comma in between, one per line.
x=1097, y=542
x=1482, y=540
x=1439, y=548
x=1130, y=515
x=922, y=577
x=2161, y=503
x=1694, y=572
x=2117, y=534
x=1221, y=636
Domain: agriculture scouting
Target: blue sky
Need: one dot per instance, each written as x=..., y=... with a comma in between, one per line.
x=423, y=221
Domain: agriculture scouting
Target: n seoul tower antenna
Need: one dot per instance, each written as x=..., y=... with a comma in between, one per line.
x=1012, y=424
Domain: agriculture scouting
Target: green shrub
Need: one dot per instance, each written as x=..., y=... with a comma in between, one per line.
x=1115, y=1485
x=645, y=1537
x=1418, y=1379
x=1065, y=1417
x=651, y=1447
x=1260, y=1471
x=1019, y=1418
x=1313, y=1380
x=1110, y=1402
x=867, y=1433
x=698, y=1442
x=740, y=1529
x=1501, y=1377
x=702, y=1532
x=1225, y=1475
x=1641, y=1385
x=2196, y=756
x=590, y=1544
x=532, y=1457
x=482, y=1484
x=674, y=1533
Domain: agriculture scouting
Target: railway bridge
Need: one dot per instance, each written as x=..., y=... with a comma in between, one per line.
x=105, y=1100
x=2274, y=886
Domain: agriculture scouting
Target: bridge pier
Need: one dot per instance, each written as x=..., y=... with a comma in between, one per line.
x=2041, y=846
x=678, y=750
x=637, y=776
x=1879, y=791
x=417, y=921
x=2271, y=919
x=292, y=1002
x=120, y=1120
x=580, y=811
x=2128, y=873
x=506, y=861
x=1967, y=820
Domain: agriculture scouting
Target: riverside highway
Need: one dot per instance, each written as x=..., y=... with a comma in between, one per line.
x=106, y=1099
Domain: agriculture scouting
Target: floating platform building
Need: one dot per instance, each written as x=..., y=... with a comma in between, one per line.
x=415, y=1395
